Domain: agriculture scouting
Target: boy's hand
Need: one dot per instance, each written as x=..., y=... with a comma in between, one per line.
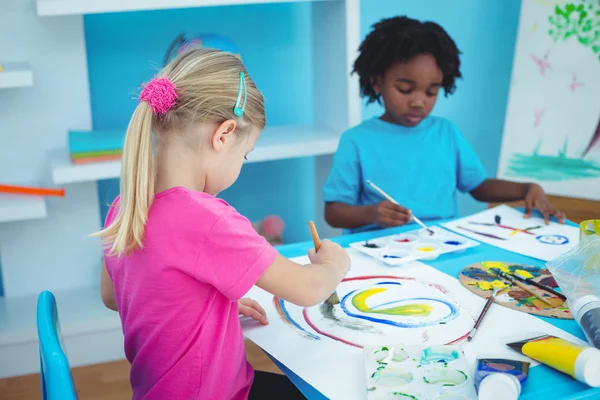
x=388, y=214
x=536, y=198
x=251, y=308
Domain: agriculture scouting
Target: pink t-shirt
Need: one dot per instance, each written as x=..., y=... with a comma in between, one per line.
x=177, y=298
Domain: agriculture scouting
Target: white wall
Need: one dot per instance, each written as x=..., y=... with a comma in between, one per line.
x=50, y=253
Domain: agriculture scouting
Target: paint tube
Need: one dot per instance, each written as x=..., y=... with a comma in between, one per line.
x=498, y=375
x=586, y=311
x=581, y=362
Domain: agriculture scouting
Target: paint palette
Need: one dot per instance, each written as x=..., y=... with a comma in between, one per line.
x=417, y=372
x=414, y=245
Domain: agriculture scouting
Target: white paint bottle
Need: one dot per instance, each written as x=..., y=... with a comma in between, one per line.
x=499, y=386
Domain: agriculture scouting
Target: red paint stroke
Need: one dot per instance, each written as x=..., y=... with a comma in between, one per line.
x=363, y=278
x=403, y=241
x=542, y=63
x=537, y=115
x=575, y=84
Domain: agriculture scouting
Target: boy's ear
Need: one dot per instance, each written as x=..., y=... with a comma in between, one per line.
x=222, y=134
x=376, y=84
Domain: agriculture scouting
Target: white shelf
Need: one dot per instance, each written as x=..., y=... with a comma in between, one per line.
x=15, y=75
x=46, y=8
x=21, y=207
x=80, y=312
x=275, y=143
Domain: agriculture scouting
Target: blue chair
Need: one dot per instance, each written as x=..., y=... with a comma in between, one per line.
x=57, y=382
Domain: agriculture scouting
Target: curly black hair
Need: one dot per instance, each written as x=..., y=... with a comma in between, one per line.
x=399, y=39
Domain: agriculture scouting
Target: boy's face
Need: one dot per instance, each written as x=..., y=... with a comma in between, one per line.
x=409, y=89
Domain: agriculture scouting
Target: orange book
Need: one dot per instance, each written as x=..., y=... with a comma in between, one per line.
x=91, y=160
x=33, y=191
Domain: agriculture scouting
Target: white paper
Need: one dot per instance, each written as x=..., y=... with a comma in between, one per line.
x=530, y=236
x=337, y=369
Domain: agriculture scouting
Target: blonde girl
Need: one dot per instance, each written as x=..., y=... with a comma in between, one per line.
x=178, y=260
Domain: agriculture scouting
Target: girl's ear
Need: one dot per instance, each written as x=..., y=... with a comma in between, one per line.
x=222, y=134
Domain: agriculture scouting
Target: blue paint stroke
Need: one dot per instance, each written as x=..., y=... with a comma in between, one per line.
x=453, y=312
x=389, y=283
x=289, y=318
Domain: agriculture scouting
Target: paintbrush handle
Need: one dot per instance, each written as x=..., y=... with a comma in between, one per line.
x=315, y=235
x=532, y=292
x=381, y=192
x=390, y=198
x=418, y=221
x=539, y=285
x=486, y=307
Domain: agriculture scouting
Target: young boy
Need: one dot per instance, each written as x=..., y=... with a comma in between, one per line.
x=418, y=159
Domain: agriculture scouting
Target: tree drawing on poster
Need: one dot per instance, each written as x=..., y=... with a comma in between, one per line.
x=376, y=309
x=552, y=127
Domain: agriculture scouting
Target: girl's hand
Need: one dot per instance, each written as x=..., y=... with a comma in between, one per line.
x=331, y=254
x=251, y=308
x=536, y=198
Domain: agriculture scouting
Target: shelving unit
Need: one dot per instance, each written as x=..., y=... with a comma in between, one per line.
x=276, y=143
x=15, y=75
x=21, y=208
x=47, y=8
x=57, y=255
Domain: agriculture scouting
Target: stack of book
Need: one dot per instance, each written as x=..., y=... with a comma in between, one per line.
x=95, y=146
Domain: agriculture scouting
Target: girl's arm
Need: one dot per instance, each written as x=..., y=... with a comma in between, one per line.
x=307, y=285
x=107, y=290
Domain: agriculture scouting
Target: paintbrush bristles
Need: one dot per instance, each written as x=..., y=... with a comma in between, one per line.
x=333, y=299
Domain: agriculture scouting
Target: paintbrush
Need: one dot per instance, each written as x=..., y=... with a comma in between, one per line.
x=486, y=307
x=539, y=285
x=387, y=196
x=334, y=298
x=523, y=286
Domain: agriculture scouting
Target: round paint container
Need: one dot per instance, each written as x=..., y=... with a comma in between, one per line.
x=402, y=240
x=395, y=256
x=427, y=251
x=453, y=242
x=376, y=246
x=492, y=385
x=445, y=377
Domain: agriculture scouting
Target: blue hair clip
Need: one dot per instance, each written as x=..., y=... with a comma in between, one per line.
x=238, y=109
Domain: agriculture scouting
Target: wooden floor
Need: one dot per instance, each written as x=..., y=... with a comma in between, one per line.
x=108, y=381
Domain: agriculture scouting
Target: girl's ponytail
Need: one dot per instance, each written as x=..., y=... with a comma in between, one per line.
x=126, y=232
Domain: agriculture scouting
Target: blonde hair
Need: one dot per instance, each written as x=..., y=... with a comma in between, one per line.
x=207, y=83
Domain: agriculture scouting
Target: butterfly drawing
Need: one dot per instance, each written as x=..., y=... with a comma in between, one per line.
x=542, y=63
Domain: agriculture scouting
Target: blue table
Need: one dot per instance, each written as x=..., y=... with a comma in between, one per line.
x=543, y=382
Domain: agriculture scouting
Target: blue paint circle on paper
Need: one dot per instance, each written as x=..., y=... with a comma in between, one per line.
x=556, y=240
x=453, y=312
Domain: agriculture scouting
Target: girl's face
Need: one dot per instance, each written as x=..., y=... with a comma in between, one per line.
x=231, y=151
x=409, y=90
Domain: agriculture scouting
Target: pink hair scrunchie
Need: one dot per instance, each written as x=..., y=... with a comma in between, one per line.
x=160, y=94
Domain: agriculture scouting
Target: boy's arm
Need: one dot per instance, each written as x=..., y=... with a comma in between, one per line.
x=385, y=214
x=497, y=191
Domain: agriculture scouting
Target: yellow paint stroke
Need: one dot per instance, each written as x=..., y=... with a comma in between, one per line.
x=425, y=248
x=490, y=285
x=490, y=265
x=523, y=274
x=534, y=27
x=360, y=302
x=544, y=3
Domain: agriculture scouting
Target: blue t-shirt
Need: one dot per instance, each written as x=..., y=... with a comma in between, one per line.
x=420, y=167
